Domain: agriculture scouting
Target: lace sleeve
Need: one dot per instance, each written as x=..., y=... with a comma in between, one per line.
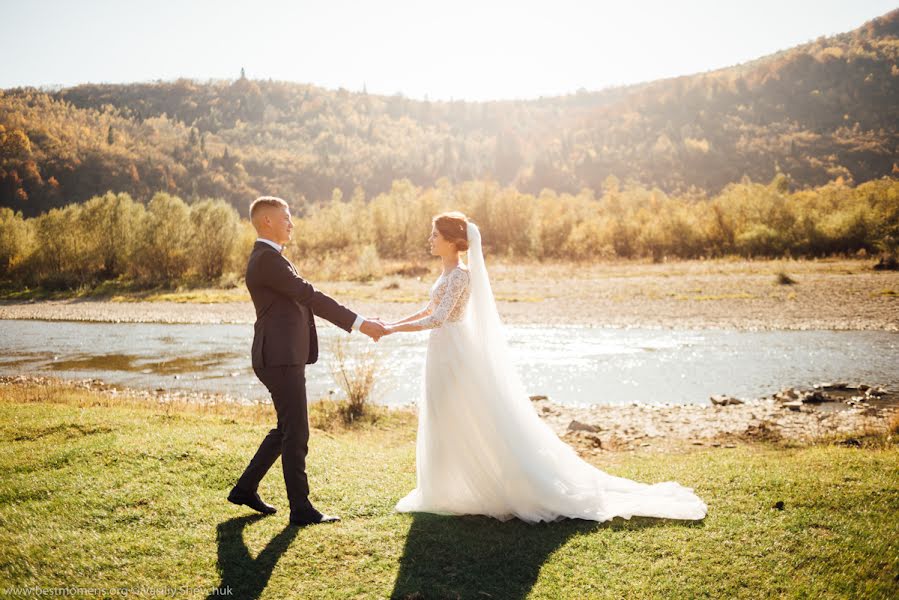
x=455, y=288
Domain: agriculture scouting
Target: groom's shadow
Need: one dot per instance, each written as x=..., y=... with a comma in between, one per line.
x=244, y=575
x=480, y=557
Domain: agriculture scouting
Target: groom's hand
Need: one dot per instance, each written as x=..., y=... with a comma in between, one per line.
x=373, y=329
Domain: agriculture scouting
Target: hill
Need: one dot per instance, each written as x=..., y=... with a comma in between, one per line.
x=823, y=111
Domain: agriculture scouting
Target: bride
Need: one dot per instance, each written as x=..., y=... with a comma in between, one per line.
x=481, y=447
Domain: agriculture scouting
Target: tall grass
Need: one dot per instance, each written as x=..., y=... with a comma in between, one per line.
x=355, y=373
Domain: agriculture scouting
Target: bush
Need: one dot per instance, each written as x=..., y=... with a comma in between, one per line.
x=163, y=253
x=368, y=264
x=356, y=377
x=784, y=279
x=112, y=235
x=759, y=240
x=112, y=222
x=401, y=220
x=65, y=256
x=216, y=231
x=15, y=241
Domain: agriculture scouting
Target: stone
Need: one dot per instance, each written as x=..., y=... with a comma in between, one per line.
x=839, y=385
x=786, y=394
x=795, y=405
x=815, y=397
x=722, y=400
x=538, y=398
x=595, y=441
x=576, y=425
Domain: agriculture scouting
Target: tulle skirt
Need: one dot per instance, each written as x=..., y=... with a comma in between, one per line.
x=482, y=449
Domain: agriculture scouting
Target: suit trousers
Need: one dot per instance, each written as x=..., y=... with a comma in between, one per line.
x=290, y=439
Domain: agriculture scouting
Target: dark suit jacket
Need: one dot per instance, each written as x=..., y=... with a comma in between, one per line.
x=285, y=308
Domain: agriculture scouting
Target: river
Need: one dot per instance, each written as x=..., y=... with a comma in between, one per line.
x=570, y=364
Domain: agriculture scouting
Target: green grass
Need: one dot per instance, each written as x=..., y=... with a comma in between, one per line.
x=104, y=493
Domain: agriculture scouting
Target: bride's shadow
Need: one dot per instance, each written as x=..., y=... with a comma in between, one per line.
x=480, y=557
x=243, y=575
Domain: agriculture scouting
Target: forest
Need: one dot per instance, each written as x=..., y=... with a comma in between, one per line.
x=822, y=112
x=170, y=242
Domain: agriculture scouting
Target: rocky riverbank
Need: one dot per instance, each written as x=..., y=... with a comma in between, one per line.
x=792, y=416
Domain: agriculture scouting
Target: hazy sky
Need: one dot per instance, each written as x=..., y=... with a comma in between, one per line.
x=452, y=49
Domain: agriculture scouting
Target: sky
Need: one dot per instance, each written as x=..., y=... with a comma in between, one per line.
x=453, y=49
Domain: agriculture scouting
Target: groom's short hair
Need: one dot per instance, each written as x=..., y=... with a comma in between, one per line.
x=263, y=201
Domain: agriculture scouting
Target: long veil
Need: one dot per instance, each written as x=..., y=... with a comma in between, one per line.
x=492, y=365
x=493, y=347
x=543, y=478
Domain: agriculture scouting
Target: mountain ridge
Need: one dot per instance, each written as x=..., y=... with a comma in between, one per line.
x=821, y=111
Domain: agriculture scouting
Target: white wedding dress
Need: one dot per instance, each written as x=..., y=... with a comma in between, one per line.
x=481, y=447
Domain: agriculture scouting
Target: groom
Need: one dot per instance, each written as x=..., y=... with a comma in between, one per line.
x=284, y=342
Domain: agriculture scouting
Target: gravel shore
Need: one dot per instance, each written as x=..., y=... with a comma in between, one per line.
x=612, y=428
x=833, y=294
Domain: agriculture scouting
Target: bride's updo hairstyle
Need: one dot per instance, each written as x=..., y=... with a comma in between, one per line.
x=453, y=226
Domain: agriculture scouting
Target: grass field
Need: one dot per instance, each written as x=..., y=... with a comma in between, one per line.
x=98, y=492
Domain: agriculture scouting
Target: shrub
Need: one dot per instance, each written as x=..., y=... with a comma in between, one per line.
x=163, y=252
x=112, y=222
x=65, y=256
x=15, y=241
x=784, y=279
x=216, y=232
x=355, y=374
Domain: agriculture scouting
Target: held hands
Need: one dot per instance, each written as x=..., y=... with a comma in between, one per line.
x=374, y=328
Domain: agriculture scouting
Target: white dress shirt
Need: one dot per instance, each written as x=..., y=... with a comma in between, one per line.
x=274, y=245
x=359, y=318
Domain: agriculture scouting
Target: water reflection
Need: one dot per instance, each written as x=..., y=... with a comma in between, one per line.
x=133, y=362
x=569, y=364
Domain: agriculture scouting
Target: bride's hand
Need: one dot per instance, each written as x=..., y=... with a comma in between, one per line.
x=385, y=325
